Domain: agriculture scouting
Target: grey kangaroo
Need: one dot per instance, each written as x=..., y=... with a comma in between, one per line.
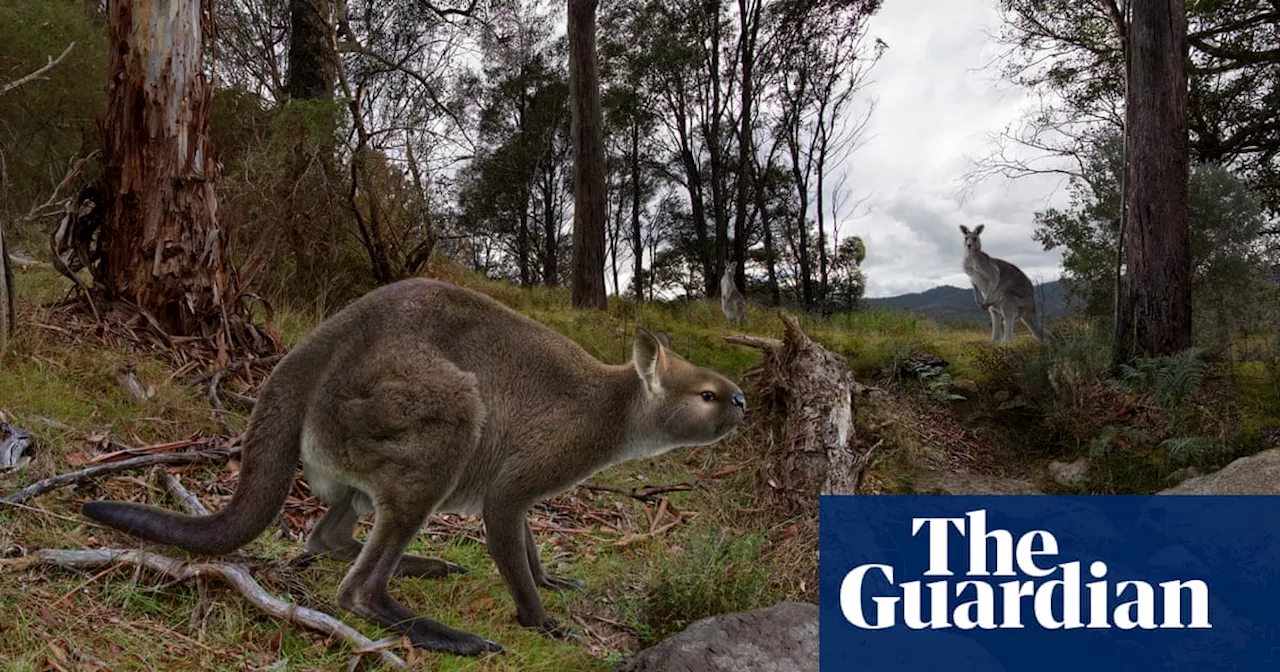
x=731, y=300
x=1000, y=288
x=420, y=397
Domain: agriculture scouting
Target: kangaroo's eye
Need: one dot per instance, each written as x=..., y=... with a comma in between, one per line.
x=708, y=396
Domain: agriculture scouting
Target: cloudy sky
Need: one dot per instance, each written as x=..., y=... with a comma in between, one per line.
x=937, y=105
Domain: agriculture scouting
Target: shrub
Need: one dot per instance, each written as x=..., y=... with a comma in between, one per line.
x=717, y=574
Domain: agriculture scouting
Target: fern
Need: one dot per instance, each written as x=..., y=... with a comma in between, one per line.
x=1185, y=448
x=1180, y=375
x=1101, y=443
x=1171, y=378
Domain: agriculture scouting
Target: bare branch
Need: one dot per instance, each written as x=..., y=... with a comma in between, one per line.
x=38, y=74
x=42, y=486
x=446, y=12
x=174, y=488
x=235, y=575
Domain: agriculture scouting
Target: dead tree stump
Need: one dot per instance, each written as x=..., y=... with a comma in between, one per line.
x=807, y=392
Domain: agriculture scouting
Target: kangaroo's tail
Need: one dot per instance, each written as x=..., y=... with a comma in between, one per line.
x=1037, y=328
x=269, y=461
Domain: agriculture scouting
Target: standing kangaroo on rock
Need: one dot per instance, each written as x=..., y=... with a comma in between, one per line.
x=999, y=288
x=731, y=300
x=420, y=397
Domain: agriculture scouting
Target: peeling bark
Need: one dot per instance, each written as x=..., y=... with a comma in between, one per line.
x=163, y=248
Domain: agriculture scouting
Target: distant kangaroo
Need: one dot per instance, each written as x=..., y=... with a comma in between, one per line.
x=731, y=300
x=1000, y=288
x=421, y=397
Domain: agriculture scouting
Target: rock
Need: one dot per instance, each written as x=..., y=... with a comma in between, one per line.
x=962, y=483
x=1070, y=474
x=1182, y=475
x=965, y=388
x=781, y=638
x=1253, y=475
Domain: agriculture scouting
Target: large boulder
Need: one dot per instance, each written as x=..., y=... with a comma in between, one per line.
x=1253, y=475
x=781, y=638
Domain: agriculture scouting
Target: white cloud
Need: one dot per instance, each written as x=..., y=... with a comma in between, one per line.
x=937, y=105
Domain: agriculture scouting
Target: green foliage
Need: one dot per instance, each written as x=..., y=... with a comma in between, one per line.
x=47, y=122
x=1172, y=378
x=1101, y=444
x=1187, y=448
x=716, y=574
x=1226, y=224
x=1071, y=51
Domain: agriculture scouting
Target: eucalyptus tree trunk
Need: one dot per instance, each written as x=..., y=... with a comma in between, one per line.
x=163, y=248
x=1156, y=311
x=312, y=61
x=588, y=158
x=8, y=295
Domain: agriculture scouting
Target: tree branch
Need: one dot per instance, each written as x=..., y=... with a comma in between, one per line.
x=38, y=74
x=54, y=482
x=235, y=575
x=446, y=12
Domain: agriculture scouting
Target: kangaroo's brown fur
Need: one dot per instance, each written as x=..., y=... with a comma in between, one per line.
x=423, y=397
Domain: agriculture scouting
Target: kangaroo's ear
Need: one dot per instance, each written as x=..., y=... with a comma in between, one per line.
x=980, y=228
x=649, y=356
x=964, y=229
x=663, y=338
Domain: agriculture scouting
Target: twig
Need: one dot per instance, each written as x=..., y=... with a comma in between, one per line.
x=219, y=409
x=54, y=482
x=244, y=363
x=23, y=262
x=242, y=400
x=861, y=462
x=757, y=342
x=47, y=512
x=38, y=74
x=643, y=494
x=235, y=575
x=184, y=497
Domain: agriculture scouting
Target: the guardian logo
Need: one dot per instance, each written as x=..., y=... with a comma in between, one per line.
x=1039, y=589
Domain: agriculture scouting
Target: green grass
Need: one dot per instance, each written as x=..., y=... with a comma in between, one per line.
x=1031, y=404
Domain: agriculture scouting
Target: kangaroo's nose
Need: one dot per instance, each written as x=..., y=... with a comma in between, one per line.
x=740, y=401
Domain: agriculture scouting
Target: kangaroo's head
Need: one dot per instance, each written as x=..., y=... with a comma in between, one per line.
x=685, y=404
x=972, y=242
x=728, y=272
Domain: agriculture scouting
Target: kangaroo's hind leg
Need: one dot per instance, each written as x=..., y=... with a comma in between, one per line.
x=364, y=590
x=1010, y=314
x=995, y=324
x=332, y=537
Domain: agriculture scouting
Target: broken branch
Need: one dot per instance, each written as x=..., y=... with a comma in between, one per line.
x=642, y=494
x=236, y=576
x=38, y=74
x=54, y=482
x=173, y=487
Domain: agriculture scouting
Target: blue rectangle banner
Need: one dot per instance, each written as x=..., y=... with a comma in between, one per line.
x=1047, y=583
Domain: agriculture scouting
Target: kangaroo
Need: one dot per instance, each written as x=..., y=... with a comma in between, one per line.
x=999, y=288
x=731, y=300
x=421, y=397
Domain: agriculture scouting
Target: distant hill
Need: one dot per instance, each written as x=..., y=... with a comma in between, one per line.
x=947, y=303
